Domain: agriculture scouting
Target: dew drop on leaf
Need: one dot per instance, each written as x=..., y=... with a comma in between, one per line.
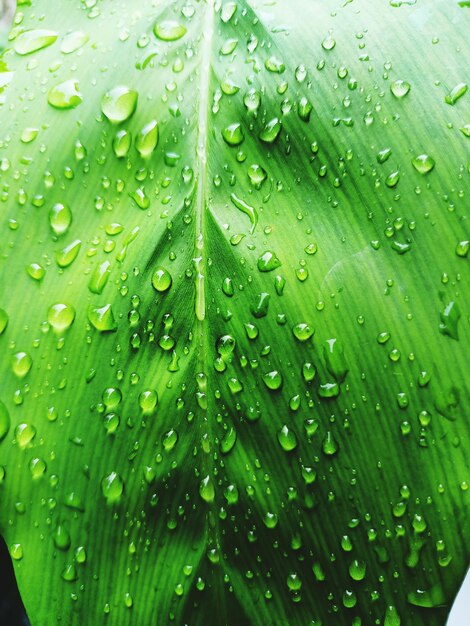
x=4, y=421
x=21, y=364
x=122, y=143
x=33, y=40
x=302, y=331
x=3, y=321
x=287, y=439
x=66, y=95
x=73, y=41
x=102, y=318
x=273, y=380
x=423, y=163
x=169, y=30
x=271, y=131
x=119, y=104
x=456, y=93
x=161, y=280
x=112, y=487
x=147, y=139
x=60, y=218
x=233, y=134
x=400, y=88
x=207, y=490
x=61, y=316
x=268, y=262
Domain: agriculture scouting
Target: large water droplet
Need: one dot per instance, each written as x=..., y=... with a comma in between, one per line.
x=33, y=40
x=4, y=421
x=423, y=163
x=400, y=88
x=102, y=318
x=233, y=134
x=161, y=279
x=287, y=439
x=169, y=30
x=73, y=41
x=3, y=321
x=66, y=95
x=21, y=364
x=147, y=139
x=119, y=103
x=112, y=487
x=60, y=218
x=61, y=316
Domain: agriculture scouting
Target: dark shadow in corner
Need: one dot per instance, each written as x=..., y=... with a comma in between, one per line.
x=12, y=611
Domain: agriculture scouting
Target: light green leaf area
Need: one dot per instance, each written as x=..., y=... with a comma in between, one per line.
x=235, y=311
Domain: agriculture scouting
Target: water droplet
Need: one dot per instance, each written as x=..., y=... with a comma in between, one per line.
x=3, y=321
x=304, y=109
x=112, y=487
x=271, y=131
x=61, y=316
x=207, y=490
x=329, y=444
x=228, y=11
x=274, y=64
x=61, y=537
x=60, y=218
x=29, y=134
x=423, y=163
x=147, y=139
x=261, y=305
x=392, y=179
x=119, y=104
x=427, y=599
x=233, y=134
x=66, y=95
x=24, y=434
x=16, y=551
x=122, y=143
x=287, y=439
x=450, y=317
x=228, y=46
x=229, y=440
x=21, y=364
x=4, y=421
x=400, y=88
x=33, y=40
x=99, y=278
x=268, y=261
x=102, y=318
x=457, y=92
x=257, y=175
x=242, y=206
x=169, y=30
x=328, y=43
x=36, y=271
x=357, y=570
x=303, y=331
x=67, y=255
x=73, y=41
x=273, y=380
x=161, y=280
x=392, y=618
x=328, y=390
x=461, y=250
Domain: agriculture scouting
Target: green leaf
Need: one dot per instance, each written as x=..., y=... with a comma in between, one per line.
x=234, y=322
